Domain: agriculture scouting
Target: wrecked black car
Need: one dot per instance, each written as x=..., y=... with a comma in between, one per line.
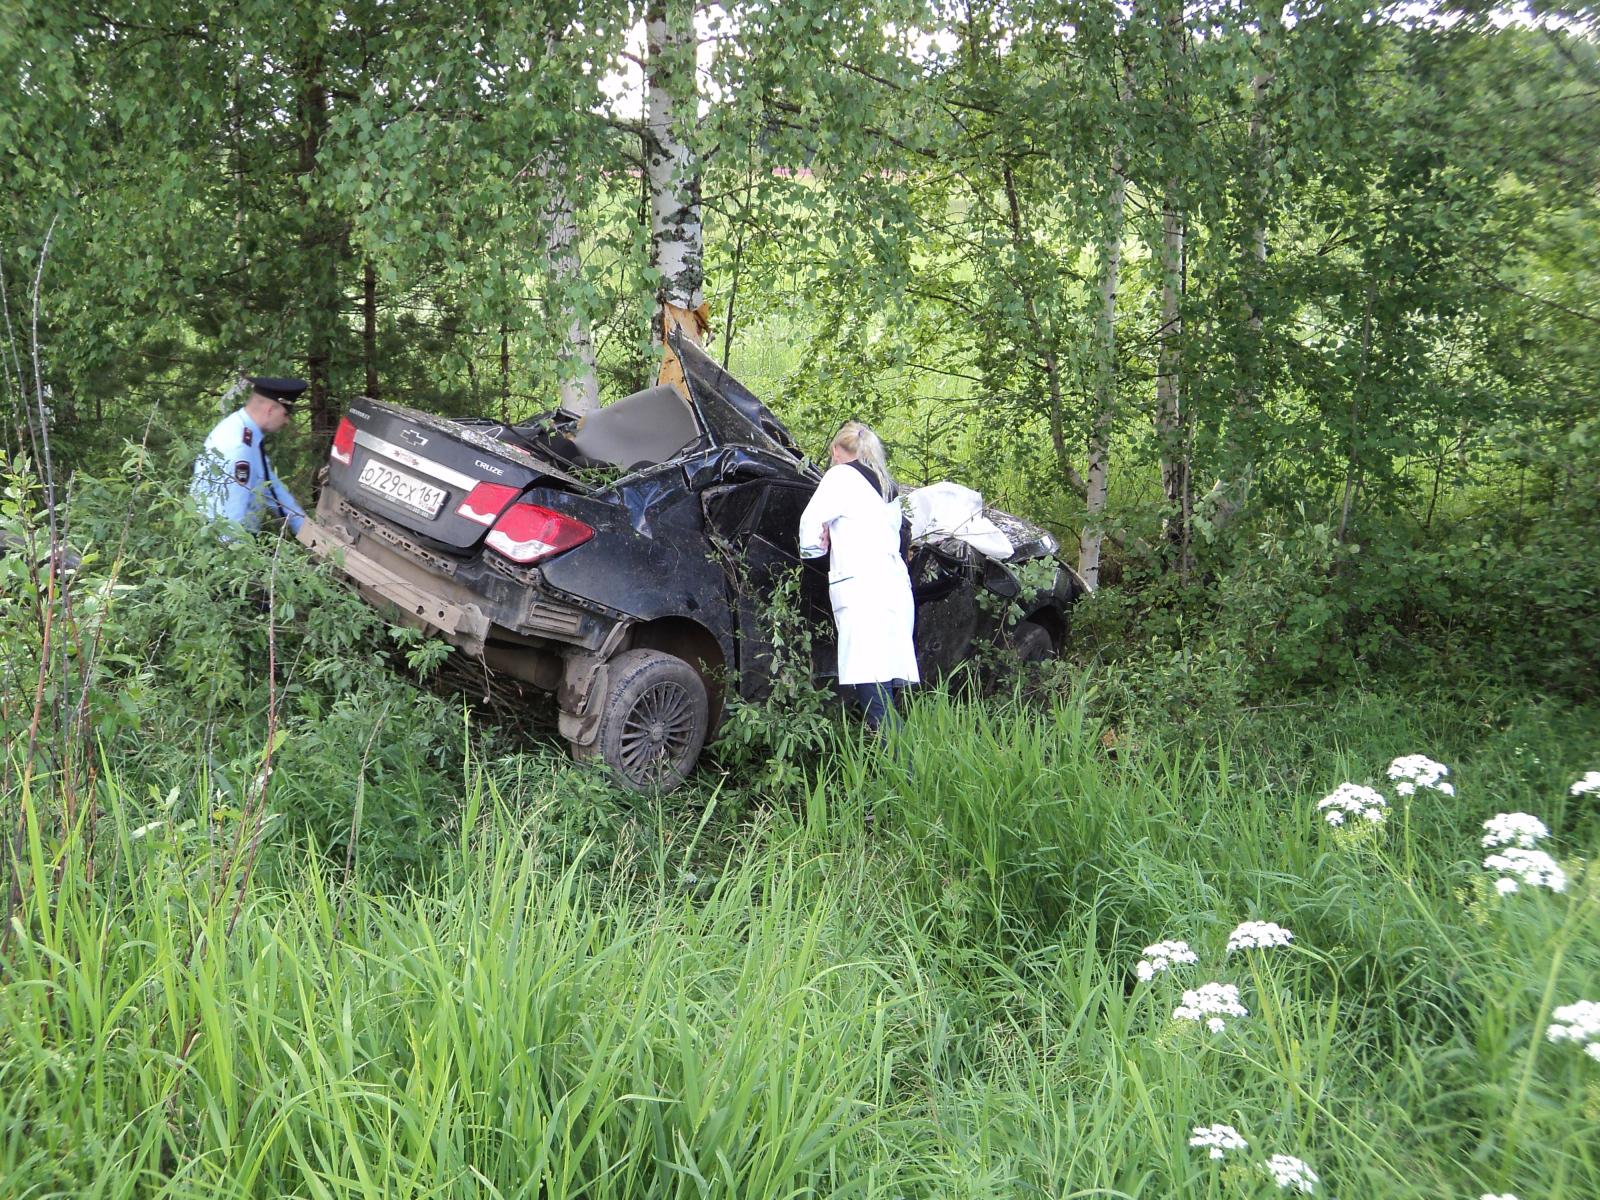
x=623, y=561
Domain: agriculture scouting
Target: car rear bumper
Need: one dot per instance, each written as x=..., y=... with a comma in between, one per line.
x=472, y=602
x=387, y=584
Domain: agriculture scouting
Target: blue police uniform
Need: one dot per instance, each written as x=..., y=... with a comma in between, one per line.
x=233, y=480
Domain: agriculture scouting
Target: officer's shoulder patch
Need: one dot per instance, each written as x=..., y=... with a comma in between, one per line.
x=241, y=471
x=249, y=435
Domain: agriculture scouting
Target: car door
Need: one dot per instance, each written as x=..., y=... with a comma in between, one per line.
x=755, y=527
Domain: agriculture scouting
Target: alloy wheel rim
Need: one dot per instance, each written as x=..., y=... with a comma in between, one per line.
x=657, y=730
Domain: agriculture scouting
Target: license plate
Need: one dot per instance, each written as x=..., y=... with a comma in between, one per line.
x=403, y=489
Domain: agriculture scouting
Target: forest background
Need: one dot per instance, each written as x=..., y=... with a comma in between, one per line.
x=1281, y=315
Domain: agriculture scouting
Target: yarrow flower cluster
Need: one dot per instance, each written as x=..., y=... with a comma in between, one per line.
x=1218, y=1139
x=1588, y=784
x=1578, y=1022
x=1258, y=935
x=1210, y=1002
x=1291, y=1174
x=1161, y=956
x=1350, y=801
x=1518, y=866
x=1413, y=771
x=1514, y=829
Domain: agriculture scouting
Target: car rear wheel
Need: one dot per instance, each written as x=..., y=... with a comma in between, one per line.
x=1031, y=642
x=654, y=722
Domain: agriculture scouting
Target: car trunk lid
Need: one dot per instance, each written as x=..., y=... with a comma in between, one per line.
x=445, y=482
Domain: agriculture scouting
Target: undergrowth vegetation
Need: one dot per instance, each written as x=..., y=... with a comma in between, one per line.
x=282, y=921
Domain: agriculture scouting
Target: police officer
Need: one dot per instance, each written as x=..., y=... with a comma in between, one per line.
x=233, y=480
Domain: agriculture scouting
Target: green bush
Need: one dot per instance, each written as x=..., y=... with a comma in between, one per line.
x=178, y=657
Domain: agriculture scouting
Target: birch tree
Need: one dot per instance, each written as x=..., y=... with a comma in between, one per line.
x=579, y=384
x=672, y=168
x=1172, y=435
x=1097, y=475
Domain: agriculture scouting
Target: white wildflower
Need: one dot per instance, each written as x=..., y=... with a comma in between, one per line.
x=1513, y=829
x=1350, y=800
x=1497, y=1196
x=1505, y=885
x=1578, y=1022
x=1161, y=957
x=1588, y=784
x=1413, y=771
x=144, y=829
x=1532, y=867
x=1218, y=1139
x=1258, y=935
x=1291, y=1173
x=1210, y=1002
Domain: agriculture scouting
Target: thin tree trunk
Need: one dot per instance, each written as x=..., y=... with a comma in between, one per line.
x=369, y=326
x=1229, y=495
x=319, y=246
x=673, y=169
x=738, y=257
x=1043, y=339
x=1170, y=418
x=1352, y=470
x=1090, y=542
x=505, y=373
x=580, y=383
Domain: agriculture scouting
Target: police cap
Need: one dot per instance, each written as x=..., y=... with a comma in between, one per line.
x=284, y=391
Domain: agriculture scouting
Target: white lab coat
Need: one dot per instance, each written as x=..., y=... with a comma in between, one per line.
x=867, y=580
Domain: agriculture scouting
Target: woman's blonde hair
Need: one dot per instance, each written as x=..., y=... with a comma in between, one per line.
x=857, y=440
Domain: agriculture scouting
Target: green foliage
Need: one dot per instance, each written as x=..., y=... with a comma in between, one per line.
x=772, y=744
x=178, y=656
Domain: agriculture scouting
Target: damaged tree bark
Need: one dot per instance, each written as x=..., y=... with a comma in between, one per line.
x=672, y=169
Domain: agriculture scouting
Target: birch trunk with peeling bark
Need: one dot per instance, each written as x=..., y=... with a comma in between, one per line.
x=580, y=382
x=1099, y=469
x=673, y=173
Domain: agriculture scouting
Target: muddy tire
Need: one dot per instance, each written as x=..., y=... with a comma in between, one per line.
x=1030, y=642
x=653, y=724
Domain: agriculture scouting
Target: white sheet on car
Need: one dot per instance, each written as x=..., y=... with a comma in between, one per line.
x=947, y=509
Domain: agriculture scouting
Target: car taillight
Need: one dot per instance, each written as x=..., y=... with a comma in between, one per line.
x=485, y=502
x=529, y=534
x=344, y=443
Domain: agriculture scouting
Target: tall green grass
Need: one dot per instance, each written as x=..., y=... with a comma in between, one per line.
x=916, y=981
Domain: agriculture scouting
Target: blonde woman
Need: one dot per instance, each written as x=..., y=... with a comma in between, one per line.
x=854, y=518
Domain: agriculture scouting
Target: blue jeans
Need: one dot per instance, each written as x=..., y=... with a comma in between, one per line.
x=877, y=702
